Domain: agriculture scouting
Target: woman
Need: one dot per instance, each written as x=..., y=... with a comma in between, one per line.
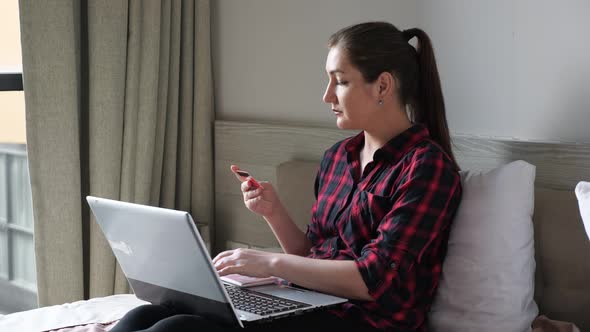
x=385, y=197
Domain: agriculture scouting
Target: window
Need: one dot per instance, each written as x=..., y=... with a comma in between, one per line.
x=17, y=254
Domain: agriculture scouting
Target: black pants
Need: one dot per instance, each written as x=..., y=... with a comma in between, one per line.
x=158, y=318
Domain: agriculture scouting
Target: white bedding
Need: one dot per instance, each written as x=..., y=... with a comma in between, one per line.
x=98, y=310
x=95, y=315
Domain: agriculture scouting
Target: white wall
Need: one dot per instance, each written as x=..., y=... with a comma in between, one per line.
x=269, y=55
x=509, y=68
x=513, y=68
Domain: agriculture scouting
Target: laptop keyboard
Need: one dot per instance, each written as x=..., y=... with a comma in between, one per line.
x=258, y=303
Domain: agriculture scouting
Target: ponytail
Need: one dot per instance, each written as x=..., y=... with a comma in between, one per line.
x=428, y=106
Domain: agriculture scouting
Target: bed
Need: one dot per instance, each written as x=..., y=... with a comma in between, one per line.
x=288, y=156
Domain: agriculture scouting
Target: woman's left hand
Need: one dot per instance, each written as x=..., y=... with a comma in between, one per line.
x=248, y=262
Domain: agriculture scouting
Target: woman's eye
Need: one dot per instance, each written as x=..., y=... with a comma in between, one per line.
x=341, y=82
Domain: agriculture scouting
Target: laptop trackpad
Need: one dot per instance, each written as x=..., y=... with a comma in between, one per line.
x=298, y=294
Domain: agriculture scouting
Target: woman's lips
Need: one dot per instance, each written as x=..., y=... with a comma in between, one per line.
x=336, y=112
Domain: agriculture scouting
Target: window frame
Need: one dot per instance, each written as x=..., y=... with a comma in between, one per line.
x=23, y=297
x=10, y=81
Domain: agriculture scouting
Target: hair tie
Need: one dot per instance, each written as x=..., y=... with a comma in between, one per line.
x=409, y=34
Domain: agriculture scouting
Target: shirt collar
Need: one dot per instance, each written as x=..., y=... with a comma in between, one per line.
x=395, y=148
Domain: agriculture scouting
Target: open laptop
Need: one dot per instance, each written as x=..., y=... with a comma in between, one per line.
x=166, y=262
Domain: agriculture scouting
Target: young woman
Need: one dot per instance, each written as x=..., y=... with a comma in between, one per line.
x=385, y=197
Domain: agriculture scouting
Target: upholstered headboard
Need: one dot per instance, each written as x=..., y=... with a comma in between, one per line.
x=288, y=156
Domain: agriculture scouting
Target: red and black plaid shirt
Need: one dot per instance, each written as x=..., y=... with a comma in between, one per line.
x=393, y=221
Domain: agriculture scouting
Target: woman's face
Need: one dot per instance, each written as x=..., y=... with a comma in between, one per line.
x=353, y=100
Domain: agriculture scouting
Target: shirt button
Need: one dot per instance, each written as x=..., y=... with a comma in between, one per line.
x=392, y=265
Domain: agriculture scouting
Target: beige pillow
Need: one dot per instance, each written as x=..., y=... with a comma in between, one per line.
x=295, y=185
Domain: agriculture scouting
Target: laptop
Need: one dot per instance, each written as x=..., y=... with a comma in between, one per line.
x=166, y=262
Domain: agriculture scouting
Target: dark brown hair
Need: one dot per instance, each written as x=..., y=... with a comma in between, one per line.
x=377, y=47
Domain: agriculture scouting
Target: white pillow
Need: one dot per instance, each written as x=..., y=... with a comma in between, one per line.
x=489, y=272
x=583, y=195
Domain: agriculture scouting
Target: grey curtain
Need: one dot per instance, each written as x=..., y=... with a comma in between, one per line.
x=118, y=105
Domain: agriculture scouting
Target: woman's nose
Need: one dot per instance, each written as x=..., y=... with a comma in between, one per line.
x=329, y=96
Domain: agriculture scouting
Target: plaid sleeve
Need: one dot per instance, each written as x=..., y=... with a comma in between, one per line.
x=418, y=213
x=313, y=228
x=312, y=232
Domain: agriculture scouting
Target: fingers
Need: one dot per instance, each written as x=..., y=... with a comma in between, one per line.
x=222, y=255
x=256, y=203
x=229, y=270
x=228, y=261
x=244, y=186
x=225, y=262
x=243, y=261
x=220, y=262
x=253, y=183
x=252, y=194
x=249, y=185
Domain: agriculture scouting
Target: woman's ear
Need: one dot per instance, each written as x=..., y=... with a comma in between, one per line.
x=386, y=84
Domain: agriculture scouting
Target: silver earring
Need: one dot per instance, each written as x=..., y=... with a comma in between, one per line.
x=380, y=102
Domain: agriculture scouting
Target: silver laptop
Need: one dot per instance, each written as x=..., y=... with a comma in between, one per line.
x=166, y=262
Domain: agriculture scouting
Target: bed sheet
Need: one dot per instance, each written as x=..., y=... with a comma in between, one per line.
x=101, y=314
x=97, y=313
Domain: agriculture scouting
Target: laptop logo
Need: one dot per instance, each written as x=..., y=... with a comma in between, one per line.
x=122, y=247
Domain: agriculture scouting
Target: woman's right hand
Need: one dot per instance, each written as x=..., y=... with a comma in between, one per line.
x=263, y=200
